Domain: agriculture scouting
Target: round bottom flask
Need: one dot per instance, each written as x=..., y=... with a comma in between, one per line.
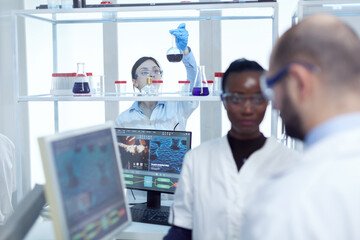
x=174, y=54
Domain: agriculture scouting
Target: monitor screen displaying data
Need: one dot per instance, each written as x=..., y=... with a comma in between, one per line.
x=85, y=183
x=152, y=159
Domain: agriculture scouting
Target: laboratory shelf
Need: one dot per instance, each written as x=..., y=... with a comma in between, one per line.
x=112, y=97
x=133, y=13
x=28, y=27
x=166, y=12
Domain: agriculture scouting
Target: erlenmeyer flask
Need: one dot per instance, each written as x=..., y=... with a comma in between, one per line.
x=174, y=54
x=81, y=84
x=200, y=86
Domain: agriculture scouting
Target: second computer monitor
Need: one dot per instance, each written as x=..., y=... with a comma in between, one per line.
x=152, y=159
x=85, y=184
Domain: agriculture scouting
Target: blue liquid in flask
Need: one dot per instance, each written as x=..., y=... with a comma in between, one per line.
x=200, y=91
x=81, y=87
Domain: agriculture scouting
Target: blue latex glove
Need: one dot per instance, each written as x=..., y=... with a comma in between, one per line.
x=181, y=35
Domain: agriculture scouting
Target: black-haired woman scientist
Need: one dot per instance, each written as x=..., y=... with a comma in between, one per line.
x=160, y=115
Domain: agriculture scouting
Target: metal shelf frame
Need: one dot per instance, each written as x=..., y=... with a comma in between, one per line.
x=206, y=13
x=47, y=14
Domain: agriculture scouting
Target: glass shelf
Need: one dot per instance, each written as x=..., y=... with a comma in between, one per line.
x=108, y=97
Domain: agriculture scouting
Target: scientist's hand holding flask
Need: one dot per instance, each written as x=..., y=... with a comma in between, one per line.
x=181, y=35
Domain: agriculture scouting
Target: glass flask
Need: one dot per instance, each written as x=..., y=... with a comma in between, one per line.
x=149, y=89
x=81, y=85
x=200, y=86
x=174, y=54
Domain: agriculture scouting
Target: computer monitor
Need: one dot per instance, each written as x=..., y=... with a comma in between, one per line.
x=152, y=160
x=84, y=183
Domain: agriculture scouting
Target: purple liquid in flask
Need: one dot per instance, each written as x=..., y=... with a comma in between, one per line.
x=200, y=91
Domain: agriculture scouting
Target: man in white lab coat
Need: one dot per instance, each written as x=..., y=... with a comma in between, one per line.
x=219, y=176
x=314, y=79
x=7, y=177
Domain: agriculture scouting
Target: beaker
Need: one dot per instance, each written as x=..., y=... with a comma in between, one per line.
x=174, y=54
x=120, y=87
x=184, y=88
x=81, y=84
x=149, y=89
x=158, y=85
x=96, y=84
x=200, y=86
x=217, y=83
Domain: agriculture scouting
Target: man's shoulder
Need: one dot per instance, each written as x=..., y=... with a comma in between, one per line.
x=320, y=181
x=311, y=178
x=308, y=184
x=285, y=188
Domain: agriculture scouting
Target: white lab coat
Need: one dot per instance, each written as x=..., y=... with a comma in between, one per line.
x=165, y=116
x=211, y=192
x=318, y=198
x=7, y=177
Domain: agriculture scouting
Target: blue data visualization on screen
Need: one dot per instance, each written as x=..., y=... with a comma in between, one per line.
x=152, y=159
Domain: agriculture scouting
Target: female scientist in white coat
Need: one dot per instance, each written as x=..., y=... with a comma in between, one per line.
x=160, y=115
x=219, y=177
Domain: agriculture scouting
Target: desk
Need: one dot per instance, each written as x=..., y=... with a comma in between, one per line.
x=43, y=230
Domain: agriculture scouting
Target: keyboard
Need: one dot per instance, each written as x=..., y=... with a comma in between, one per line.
x=140, y=213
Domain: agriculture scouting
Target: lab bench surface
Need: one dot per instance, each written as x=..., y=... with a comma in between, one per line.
x=43, y=230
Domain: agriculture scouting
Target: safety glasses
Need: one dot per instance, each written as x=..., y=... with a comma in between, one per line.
x=147, y=73
x=240, y=99
x=267, y=83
